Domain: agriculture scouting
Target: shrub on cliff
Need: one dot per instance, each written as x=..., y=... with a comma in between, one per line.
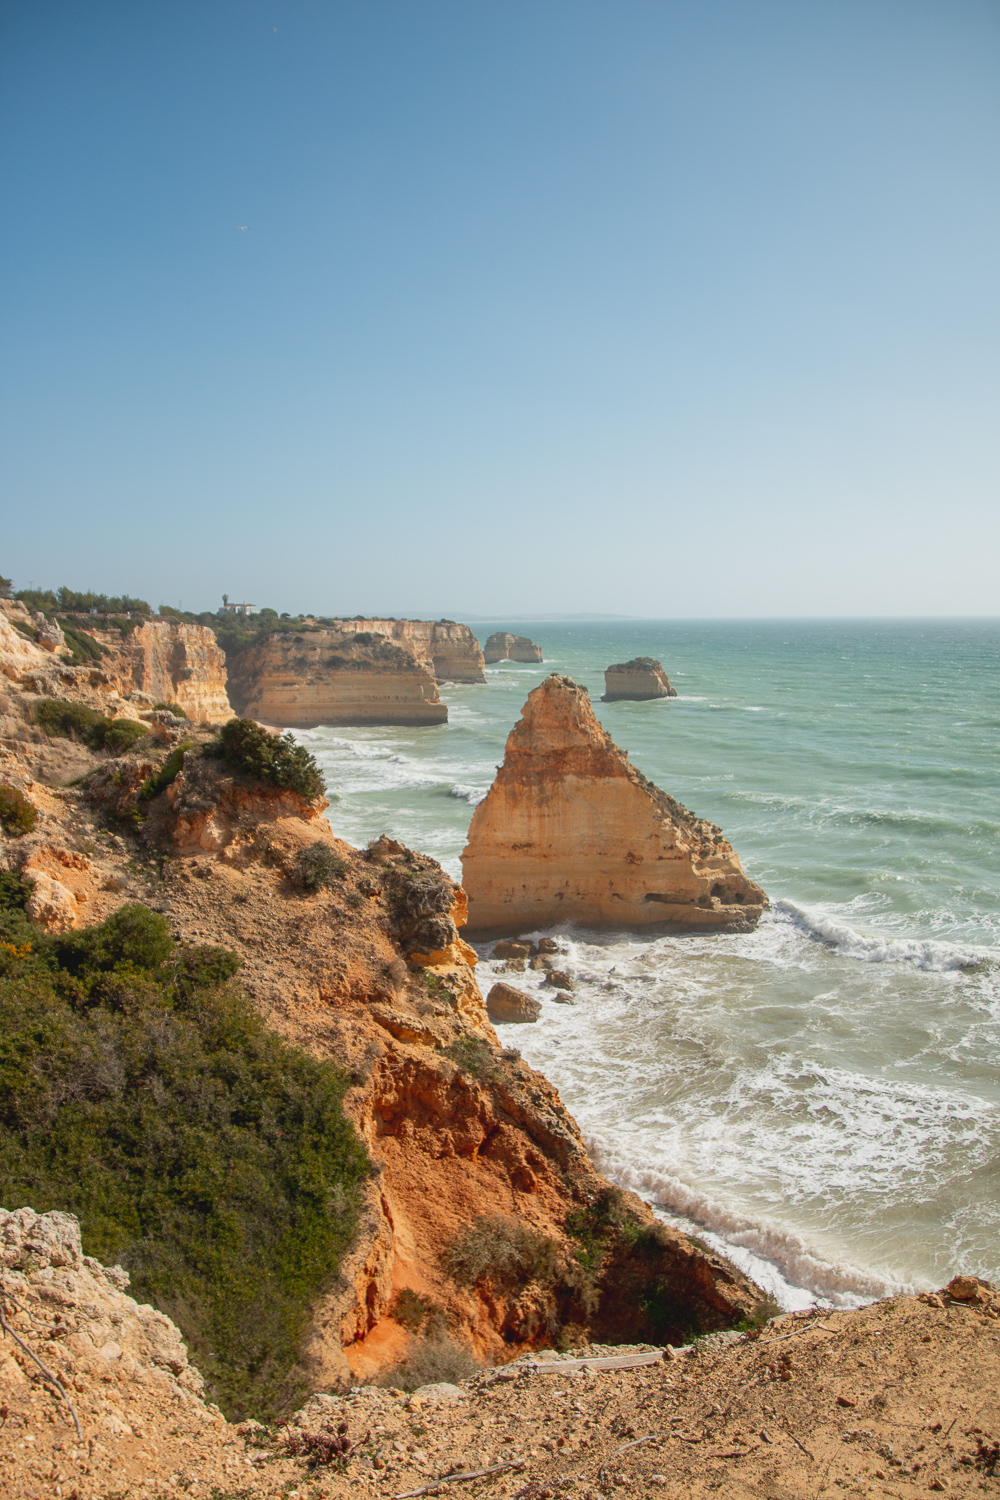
x=502, y=1252
x=75, y=721
x=319, y=865
x=142, y=1092
x=273, y=758
x=17, y=814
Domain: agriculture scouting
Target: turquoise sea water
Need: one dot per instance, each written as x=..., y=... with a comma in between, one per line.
x=820, y=1097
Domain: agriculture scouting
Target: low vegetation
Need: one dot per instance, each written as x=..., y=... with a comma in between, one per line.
x=17, y=814
x=319, y=866
x=65, y=600
x=140, y=1091
x=75, y=721
x=503, y=1252
x=272, y=758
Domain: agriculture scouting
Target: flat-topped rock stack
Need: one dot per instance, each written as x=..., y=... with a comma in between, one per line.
x=502, y=646
x=570, y=832
x=636, y=681
x=333, y=677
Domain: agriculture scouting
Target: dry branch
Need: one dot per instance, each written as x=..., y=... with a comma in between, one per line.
x=44, y=1368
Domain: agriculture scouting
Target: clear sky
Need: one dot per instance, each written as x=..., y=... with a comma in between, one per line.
x=503, y=306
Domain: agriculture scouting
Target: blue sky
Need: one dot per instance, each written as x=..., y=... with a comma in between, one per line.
x=672, y=309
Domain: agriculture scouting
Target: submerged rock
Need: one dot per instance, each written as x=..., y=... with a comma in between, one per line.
x=570, y=832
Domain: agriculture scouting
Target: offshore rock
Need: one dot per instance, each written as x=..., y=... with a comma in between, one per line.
x=636, y=681
x=570, y=832
x=506, y=647
x=334, y=676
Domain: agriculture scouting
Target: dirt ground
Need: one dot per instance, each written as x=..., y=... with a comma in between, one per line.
x=895, y=1399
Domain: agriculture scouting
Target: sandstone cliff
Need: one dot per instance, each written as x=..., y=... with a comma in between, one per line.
x=449, y=652
x=502, y=646
x=636, y=681
x=570, y=832
x=157, y=661
x=327, y=676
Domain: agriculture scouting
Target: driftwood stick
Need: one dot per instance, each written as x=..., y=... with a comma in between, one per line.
x=795, y=1440
x=44, y=1369
x=427, y=1489
x=649, y=1438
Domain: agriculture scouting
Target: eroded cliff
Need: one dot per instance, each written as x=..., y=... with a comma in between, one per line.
x=334, y=676
x=367, y=967
x=571, y=832
x=450, y=652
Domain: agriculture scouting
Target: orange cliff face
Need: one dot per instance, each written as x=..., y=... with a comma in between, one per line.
x=325, y=676
x=450, y=652
x=570, y=832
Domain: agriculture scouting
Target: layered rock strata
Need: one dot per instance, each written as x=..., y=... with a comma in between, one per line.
x=327, y=676
x=158, y=661
x=571, y=832
x=636, y=681
x=450, y=652
x=506, y=647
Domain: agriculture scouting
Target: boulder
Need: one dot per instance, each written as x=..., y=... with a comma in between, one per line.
x=505, y=1003
x=571, y=832
x=507, y=948
x=636, y=681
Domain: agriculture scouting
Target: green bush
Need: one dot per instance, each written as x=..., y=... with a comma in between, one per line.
x=83, y=647
x=75, y=721
x=319, y=865
x=141, y=1091
x=119, y=735
x=172, y=708
x=168, y=773
x=273, y=758
x=473, y=1054
x=67, y=721
x=17, y=814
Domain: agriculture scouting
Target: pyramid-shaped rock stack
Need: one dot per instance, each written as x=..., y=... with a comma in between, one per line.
x=570, y=832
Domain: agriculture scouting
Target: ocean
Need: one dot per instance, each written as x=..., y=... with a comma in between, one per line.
x=820, y=1098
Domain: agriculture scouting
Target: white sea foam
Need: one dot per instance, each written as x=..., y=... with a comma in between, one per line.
x=921, y=953
x=471, y=794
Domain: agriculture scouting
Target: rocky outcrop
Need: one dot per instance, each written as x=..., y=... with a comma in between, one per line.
x=506, y=647
x=636, y=681
x=570, y=832
x=166, y=661
x=20, y=652
x=450, y=652
x=333, y=676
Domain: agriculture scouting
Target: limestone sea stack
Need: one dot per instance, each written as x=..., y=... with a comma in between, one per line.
x=333, y=677
x=502, y=646
x=571, y=832
x=636, y=681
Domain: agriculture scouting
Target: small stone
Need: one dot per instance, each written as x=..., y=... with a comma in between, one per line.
x=559, y=980
x=963, y=1288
